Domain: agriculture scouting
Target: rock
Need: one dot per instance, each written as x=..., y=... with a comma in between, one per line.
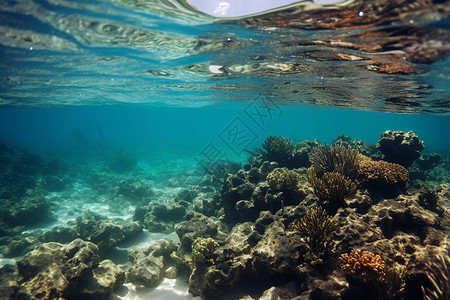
x=160, y=217
x=8, y=281
x=54, y=270
x=400, y=147
x=107, y=277
x=149, y=265
x=100, y=230
x=244, y=198
x=198, y=225
x=428, y=161
x=289, y=291
x=323, y=282
x=28, y=211
x=146, y=271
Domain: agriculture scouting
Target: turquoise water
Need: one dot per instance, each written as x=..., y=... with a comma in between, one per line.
x=107, y=92
x=57, y=131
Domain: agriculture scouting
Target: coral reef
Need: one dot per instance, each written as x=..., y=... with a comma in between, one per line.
x=317, y=226
x=95, y=228
x=264, y=224
x=400, y=147
x=365, y=264
x=203, y=248
x=331, y=189
x=277, y=149
x=283, y=179
x=340, y=159
x=381, y=172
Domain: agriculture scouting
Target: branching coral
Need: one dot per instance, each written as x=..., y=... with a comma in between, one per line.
x=283, y=179
x=382, y=172
x=277, y=149
x=333, y=187
x=438, y=274
x=203, y=248
x=317, y=226
x=338, y=159
x=365, y=265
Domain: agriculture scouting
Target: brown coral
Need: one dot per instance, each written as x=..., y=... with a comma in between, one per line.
x=332, y=187
x=317, y=226
x=382, y=172
x=365, y=264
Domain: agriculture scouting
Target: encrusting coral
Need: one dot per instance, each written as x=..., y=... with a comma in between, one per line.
x=283, y=179
x=381, y=172
x=317, y=226
x=362, y=264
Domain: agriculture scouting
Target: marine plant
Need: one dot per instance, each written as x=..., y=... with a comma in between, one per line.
x=382, y=172
x=203, y=248
x=438, y=274
x=276, y=148
x=317, y=226
x=332, y=188
x=283, y=180
x=339, y=158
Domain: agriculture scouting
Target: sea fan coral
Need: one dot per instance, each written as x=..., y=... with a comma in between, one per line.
x=339, y=159
x=382, y=172
x=317, y=226
x=438, y=274
x=276, y=148
x=364, y=265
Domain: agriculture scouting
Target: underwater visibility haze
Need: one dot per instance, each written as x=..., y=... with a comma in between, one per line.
x=173, y=149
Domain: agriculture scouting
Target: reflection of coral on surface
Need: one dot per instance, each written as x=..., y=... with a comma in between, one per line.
x=365, y=264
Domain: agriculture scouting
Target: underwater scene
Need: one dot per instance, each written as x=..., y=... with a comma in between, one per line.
x=173, y=149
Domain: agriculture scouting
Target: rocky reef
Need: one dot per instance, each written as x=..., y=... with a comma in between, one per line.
x=303, y=220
